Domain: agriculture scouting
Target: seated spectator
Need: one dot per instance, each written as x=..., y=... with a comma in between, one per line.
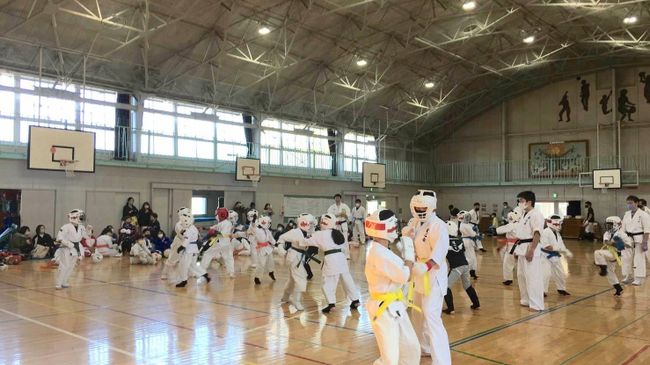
x=144, y=215
x=268, y=210
x=21, y=242
x=155, y=224
x=43, y=244
x=105, y=244
x=161, y=242
x=128, y=233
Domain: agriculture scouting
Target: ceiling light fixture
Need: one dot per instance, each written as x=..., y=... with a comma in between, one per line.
x=264, y=30
x=429, y=85
x=631, y=19
x=469, y=5
x=530, y=39
x=361, y=62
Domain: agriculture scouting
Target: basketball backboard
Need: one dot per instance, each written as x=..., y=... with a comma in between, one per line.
x=374, y=175
x=607, y=178
x=247, y=169
x=55, y=149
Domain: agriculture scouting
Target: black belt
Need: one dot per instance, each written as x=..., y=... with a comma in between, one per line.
x=329, y=252
x=519, y=242
x=634, y=234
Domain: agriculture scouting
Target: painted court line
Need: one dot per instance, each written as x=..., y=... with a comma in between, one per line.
x=636, y=354
x=61, y=330
x=480, y=357
x=521, y=320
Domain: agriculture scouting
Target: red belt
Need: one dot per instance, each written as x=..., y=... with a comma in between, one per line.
x=262, y=244
x=511, y=240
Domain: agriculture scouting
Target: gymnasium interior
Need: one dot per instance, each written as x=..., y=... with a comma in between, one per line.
x=284, y=104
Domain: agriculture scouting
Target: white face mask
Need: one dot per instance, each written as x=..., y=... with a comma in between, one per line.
x=521, y=205
x=358, y=205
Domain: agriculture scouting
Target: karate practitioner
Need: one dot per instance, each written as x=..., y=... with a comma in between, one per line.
x=431, y=239
x=335, y=265
x=530, y=269
x=458, y=267
x=552, y=247
x=251, y=235
x=615, y=243
x=141, y=252
x=474, y=220
x=295, y=256
x=218, y=245
x=469, y=236
x=264, y=244
x=341, y=212
x=636, y=224
x=188, y=249
x=358, y=215
x=507, y=251
x=386, y=274
x=69, y=251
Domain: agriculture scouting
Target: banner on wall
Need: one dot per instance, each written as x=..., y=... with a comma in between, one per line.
x=558, y=159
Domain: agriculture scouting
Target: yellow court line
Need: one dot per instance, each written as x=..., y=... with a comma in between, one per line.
x=54, y=328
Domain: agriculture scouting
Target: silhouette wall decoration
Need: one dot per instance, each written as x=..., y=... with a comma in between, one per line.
x=584, y=94
x=604, y=103
x=566, y=108
x=646, y=89
x=625, y=107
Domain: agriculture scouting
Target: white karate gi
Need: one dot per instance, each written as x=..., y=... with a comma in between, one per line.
x=468, y=234
x=221, y=249
x=474, y=219
x=530, y=275
x=264, y=244
x=141, y=254
x=104, y=246
x=431, y=240
x=553, y=266
x=508, y=259
x=608, y=256
x=341, y=223
x=636, y=226
x=297, y=282
x=397, y=341
x=189, y=256
x=358, y=230
x=335, y=266
x=68, y=253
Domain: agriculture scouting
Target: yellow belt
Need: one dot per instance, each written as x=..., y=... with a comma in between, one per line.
x=614, y=252
x=427, y=289
x=387, y=298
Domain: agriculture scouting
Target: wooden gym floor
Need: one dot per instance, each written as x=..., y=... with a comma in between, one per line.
x=116, y=313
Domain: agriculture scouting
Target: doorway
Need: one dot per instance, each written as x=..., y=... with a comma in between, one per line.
x=374, y=205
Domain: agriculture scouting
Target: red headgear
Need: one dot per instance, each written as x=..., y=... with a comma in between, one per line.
x=221, y=213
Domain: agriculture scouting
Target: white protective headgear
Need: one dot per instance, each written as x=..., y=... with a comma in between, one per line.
x=382, y=224
x=76, y=216
x=233, y=217
x=514, y=216
x=306, y=222
x=264, y=221
x=461, y=215
x=97, y=257
x=327, y=221
x=423, y=204
x=185, y=217
x=555, y=223
x=252, y=215
x=614, y=221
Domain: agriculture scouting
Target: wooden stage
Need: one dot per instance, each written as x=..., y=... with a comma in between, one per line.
x=116, y=313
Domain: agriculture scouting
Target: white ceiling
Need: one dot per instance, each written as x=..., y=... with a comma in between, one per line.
x=305, y=69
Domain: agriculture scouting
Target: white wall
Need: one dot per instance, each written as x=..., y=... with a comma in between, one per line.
x=533, y=117
x=47, y=196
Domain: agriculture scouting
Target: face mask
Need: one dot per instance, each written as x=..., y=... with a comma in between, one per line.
x=358, y=205
x=160, y=236
x=476, y=209
x=630, y=206
x=522, y=205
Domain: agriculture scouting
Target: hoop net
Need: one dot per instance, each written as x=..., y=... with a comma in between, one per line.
x=68, y=167
x=604, y=190
x=254, y=179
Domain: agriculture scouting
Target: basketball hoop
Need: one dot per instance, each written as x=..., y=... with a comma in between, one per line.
x=68, y=167
x=604, y=190
x=254, y=179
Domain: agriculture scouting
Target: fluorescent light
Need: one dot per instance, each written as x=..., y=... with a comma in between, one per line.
x=469, y=5
x=530, y=39
x=361, y=62
x=630, y=19
x=429, y=84
x=264, y=31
